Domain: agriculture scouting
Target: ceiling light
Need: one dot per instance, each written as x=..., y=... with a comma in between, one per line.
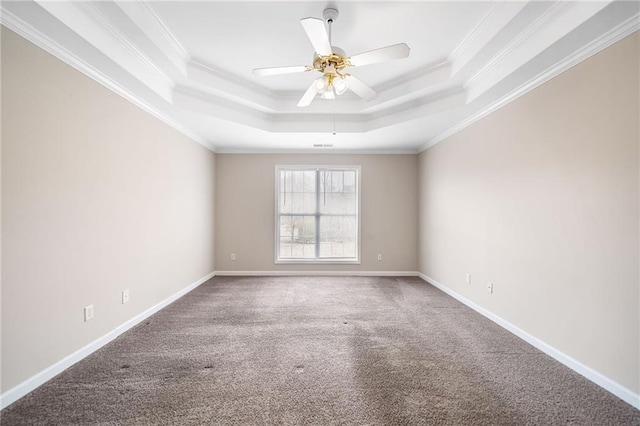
x=341, y=85
x=328, y=94
x=320, y=85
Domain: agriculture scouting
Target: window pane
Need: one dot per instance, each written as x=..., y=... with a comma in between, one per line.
x=309, y=203
x=349, y=181
x=336, y=182
x=297, y=237
x=337, y=192
x=338, y=236
x=297, y=202
x=285, y=236
x=287, y=181
x=310, y=181
x=297, y=192
x=325, y=180
x=285, y=202
x=337, y=203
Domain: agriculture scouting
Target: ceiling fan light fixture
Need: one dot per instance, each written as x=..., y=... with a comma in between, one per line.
x=320, y=85
x=328, y=94
x=341, y=85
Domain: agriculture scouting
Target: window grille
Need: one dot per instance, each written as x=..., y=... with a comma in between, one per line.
x=317, y=214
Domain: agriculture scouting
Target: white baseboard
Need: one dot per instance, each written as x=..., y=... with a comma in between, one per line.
x=608, y=384
x=317, y=273
x=32, y=383
x=17, y=392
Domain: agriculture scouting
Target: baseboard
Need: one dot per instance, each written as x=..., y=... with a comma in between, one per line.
x=13, y=394
x=606, y=383
x=318, y=273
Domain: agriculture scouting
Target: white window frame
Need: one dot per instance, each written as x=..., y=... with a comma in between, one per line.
x=276, y=246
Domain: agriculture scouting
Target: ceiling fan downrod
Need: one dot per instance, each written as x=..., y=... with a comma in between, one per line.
x=331, y=65
x=330, y=15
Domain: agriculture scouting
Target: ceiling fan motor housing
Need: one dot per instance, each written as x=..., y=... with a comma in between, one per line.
x=330, y=15
x=336, y=61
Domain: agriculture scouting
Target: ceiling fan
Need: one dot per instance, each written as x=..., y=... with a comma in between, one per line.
x=331, y=62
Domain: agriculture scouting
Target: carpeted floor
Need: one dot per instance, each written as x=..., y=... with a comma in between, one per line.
x=319, y=350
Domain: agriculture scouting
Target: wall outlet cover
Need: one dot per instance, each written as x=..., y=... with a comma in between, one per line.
x=88, y=313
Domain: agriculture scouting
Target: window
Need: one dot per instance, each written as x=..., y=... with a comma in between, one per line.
x=317, y=214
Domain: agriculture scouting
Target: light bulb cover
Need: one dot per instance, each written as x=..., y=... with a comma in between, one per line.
x=341, y=85
x=328, y=94
x=320, y=85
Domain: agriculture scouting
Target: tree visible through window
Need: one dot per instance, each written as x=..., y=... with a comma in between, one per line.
x=317, y=214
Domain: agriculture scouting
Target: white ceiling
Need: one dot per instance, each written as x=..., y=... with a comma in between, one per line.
x=237, y=39
x=189, y=63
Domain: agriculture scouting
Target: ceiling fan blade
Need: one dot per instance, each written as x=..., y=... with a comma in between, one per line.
x=317, y=33
x=280, y=70
x=397, y=51
x=308, y=96
x=361, y=89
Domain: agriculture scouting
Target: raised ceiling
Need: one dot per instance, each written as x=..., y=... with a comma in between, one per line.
x=189, y=63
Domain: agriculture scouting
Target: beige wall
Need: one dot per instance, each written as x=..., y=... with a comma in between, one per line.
x=245, y=211
x=541, y=198
x=97, y=196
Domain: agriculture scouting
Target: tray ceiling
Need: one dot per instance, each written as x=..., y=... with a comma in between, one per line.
x=189, y=63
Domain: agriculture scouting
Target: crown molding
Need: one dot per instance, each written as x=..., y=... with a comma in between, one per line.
x=427, y=75
x=624, y=29
x=474, y=34
x=439, y=102
x=94, y=22
x=140, y=59
x=496, y=18
x=47, y=43
x=221, y=84
x=418, y=85
x=556, y=22
x=143, y=15
x=211, y=105
x=552, y=12
x=89, y=22
x=225, y=85
x=93, y=10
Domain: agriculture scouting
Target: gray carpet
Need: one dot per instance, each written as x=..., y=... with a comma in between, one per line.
x=319, y=350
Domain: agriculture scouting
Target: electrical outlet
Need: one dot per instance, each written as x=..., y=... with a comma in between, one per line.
x=125, y=296
x=88, y=313
x=468, y=278
x=490, y=287
x=379, y=257
x=233, y=257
